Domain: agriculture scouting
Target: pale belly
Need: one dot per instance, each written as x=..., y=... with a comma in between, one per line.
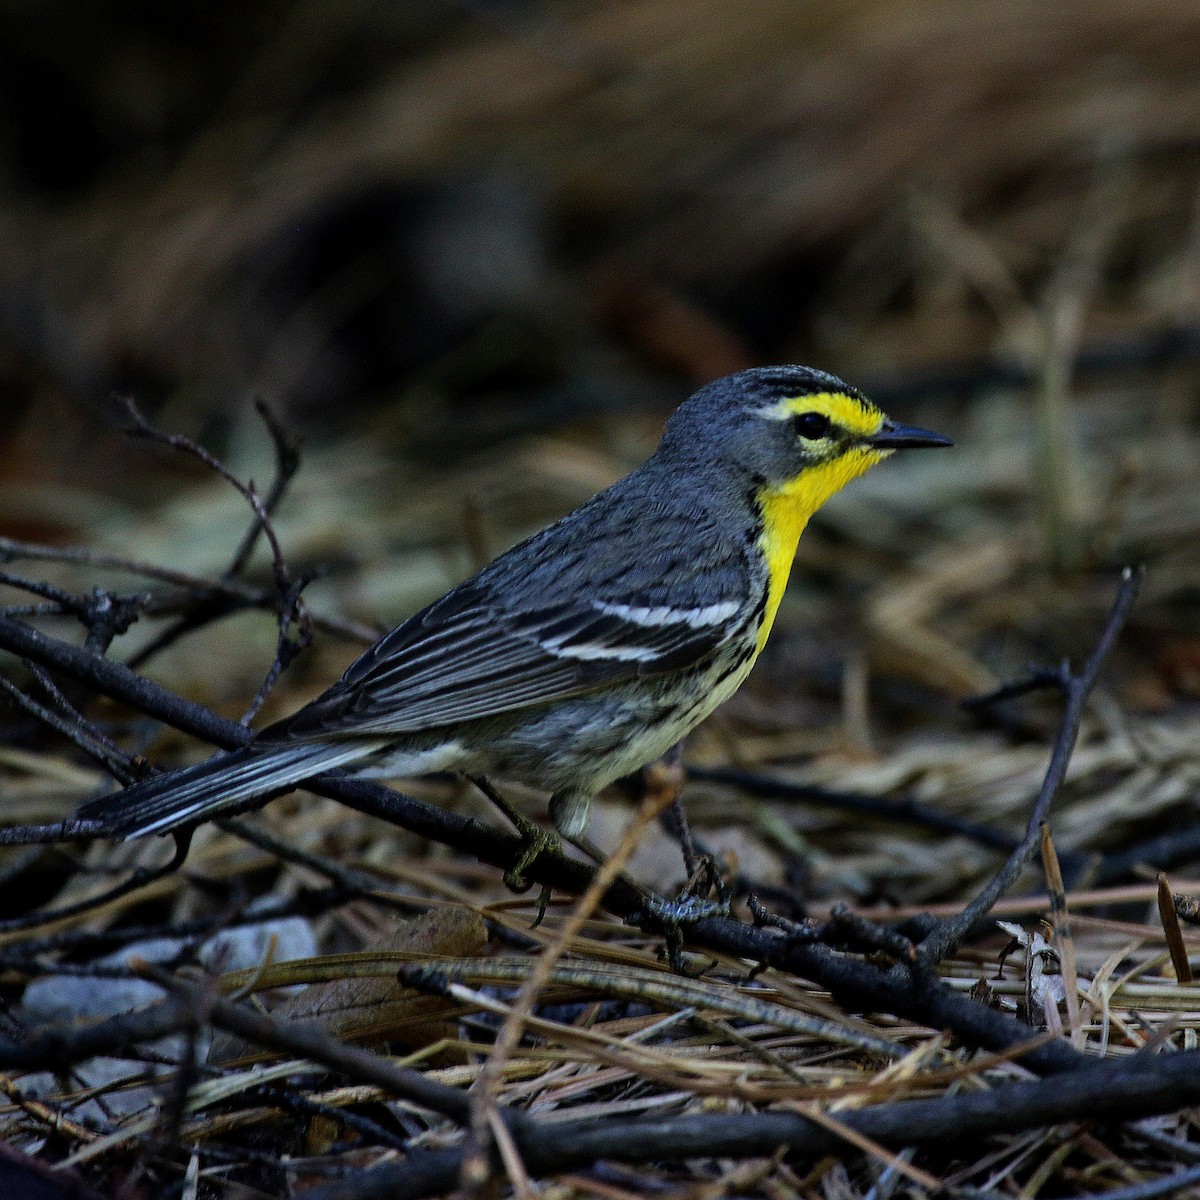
x=590, y=741
x=579, y=745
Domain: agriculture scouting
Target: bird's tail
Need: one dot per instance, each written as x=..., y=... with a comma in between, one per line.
x=216, y=785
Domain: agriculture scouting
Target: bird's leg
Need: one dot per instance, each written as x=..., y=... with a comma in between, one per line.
x=536, y=841
x=668, y=772
x=670, y=917
x=702, y=873
x=674, y=821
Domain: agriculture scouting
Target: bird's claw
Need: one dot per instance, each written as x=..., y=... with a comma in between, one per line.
x=706, y=878
x=687, y=910
x=535, y=842
x=670, y=917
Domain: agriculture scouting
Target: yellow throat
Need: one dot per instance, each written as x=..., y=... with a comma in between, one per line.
x=787, y=507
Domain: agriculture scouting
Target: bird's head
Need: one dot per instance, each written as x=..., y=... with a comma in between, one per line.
x=791, y=433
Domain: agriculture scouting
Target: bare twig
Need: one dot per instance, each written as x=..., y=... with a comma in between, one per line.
x=900, y=809
x=66, y=601
x=290, y=606
x=61, y=1045
x=947, y=934
x=237, y=592
x=293, y=1100
x=287, y=646
x=76, y=730
x=309, y=902
x=287, y=445
x=138, y=878
x=140, y=426
x=103, y=614
x=1039, y=679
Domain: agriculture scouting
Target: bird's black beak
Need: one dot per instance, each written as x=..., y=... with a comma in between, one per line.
x=892, y=436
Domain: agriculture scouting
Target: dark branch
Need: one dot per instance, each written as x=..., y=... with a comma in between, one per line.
x=237, y=594
x=899, y=810
x=140, y=426
x=1122, y=1091
x=138, y=878
x=1039, y=679
x=287, y=445
x=59, y=1046
x=946, y=935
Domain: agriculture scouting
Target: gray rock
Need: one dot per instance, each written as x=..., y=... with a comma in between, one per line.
x=66, y=998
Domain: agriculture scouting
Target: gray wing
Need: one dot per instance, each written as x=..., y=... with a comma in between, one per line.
x=461, y=659
x=541, y=624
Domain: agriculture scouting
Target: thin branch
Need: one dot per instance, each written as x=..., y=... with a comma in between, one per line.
x=138, y=878
x=140, y=426
x=902, y=809
x=308, y=902
x=66, y=601
x=290, y=606
x=1039, y=679
x=291, y=609
x=946, y=935
x=61, y=1045
x=237, y=591
x=76, y=730
x=104, y=614
x=348, y=880
x=292, y=1101
x=287, y=445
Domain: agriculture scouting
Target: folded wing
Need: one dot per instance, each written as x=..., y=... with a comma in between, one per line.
x=465, y=657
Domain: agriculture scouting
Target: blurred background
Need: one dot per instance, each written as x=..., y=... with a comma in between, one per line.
x=475, y=252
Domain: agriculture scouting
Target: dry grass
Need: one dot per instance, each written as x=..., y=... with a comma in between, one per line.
x=963, y=180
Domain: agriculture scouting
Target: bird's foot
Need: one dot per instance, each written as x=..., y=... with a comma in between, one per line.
x=536, y=841
x=683, y=911
x=672, y=917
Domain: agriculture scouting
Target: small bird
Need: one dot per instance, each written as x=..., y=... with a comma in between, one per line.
x=592, y=647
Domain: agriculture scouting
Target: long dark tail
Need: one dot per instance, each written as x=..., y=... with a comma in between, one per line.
x=209, y=788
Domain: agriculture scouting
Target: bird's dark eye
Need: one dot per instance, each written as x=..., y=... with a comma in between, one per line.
x=812, y=426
